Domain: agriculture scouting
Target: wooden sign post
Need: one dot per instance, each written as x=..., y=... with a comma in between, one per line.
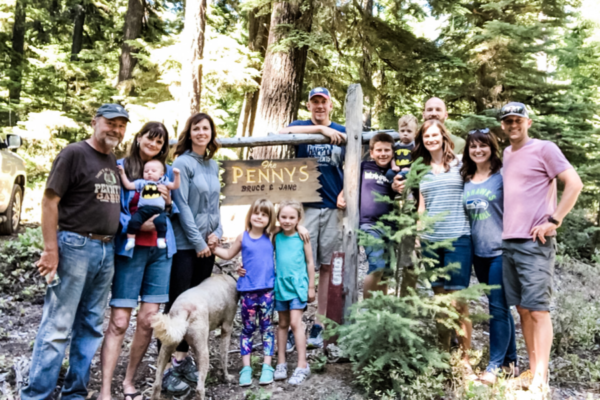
x=254, y=188
x=276, y=180
x=354, y=123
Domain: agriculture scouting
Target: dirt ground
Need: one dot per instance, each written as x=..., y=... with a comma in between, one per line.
x=19, y=323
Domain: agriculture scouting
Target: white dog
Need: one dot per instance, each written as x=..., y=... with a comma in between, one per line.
x=194, y=314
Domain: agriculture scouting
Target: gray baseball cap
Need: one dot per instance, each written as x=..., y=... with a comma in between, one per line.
x=514, y=108
x=111, y=111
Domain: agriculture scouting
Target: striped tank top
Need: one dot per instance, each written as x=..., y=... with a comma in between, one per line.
x=443, y=193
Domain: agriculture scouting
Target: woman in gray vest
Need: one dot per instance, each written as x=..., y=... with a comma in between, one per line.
x=197, y=228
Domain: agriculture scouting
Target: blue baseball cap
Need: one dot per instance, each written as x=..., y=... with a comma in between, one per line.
x=319, y=91
x=514, y=108
x=111, y=111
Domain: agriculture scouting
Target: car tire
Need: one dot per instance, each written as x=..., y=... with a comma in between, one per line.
x=13, y=213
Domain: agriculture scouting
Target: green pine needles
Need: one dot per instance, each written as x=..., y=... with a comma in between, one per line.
x=392, y=339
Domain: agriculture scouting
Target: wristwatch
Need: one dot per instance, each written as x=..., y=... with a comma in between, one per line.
x=552, y=220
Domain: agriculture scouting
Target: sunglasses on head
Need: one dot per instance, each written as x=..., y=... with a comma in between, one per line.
x=484, y=131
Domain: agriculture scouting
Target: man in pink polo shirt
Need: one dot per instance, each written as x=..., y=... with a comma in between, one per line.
x=531, y=217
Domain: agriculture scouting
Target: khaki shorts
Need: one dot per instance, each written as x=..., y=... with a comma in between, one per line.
x=527, y=272
x=325, y=228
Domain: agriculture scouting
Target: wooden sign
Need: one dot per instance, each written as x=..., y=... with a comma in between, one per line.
x=276, y=180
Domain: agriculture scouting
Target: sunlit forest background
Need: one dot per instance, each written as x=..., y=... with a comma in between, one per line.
x=250, y=64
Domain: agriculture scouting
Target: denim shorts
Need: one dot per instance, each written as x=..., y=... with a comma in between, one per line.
x=286, y=305
x=462, y=254
x=144, y=275
x=376, y=254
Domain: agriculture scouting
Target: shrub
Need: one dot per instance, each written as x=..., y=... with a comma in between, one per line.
x=392, y=340
x=575, y=235
x=576, y=319
x=18, y=274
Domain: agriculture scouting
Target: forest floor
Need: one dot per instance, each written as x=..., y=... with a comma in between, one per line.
x=19, y=322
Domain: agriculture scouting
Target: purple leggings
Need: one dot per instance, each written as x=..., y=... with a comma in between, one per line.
x=259, y=304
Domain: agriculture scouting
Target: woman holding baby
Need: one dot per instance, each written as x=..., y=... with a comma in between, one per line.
x=141, y=270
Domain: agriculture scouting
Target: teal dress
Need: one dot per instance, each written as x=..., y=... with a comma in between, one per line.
x=291, y=276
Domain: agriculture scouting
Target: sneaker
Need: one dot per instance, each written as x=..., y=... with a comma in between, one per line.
x=315, y=339
x=266, y=376
x=188, y=371
x=173, y=384
x=300, y=375
x=280, y=372
x=291, y=342
x=246, y=376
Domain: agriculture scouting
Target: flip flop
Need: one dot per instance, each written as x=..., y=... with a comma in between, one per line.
x=132, y=396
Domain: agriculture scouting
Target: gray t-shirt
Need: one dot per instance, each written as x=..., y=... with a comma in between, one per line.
x=484, y=203
x=149, y=194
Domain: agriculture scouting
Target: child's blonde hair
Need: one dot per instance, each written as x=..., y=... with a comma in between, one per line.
x=296, y=205
x=407, y=120
x=265, y=206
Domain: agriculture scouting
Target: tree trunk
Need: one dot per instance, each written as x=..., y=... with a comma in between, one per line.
x=132, y=30
x=78, y=31
x=258, y=35
x=366, y=73
x=18, y=49
x=191, y=68
x=283, y=73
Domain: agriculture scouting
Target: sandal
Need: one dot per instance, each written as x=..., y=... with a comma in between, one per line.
x=488, y=378
x=132, y=396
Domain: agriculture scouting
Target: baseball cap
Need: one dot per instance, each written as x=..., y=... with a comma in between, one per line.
x=514, y=108
x=111, y=111
x=319, y=91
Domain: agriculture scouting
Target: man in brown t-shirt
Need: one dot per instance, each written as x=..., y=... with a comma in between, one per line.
x=80, y=215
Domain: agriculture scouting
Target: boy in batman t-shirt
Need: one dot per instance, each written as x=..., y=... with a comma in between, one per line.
x=151, y=202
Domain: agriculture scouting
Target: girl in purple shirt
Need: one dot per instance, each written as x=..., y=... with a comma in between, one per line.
x=256, y=286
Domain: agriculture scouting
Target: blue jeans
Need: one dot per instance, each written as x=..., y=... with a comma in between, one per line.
x=503, y=346
x=462, y=254
x=74, y=309
x=144, y=275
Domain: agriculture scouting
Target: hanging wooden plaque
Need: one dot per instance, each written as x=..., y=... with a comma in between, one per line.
x=276, y=180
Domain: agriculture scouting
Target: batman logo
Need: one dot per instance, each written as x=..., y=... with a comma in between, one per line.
x=150, y=191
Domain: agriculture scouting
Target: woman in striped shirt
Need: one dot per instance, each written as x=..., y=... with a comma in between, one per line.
x=441, y=195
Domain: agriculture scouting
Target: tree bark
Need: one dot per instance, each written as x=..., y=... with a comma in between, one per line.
x=17, y=55
x=191, y=68
x=132, y=31
x=77, y=44
x=283, y=73
x=366, y=72
x=258, y=35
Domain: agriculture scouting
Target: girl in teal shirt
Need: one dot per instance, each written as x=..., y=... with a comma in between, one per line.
x=294, y=287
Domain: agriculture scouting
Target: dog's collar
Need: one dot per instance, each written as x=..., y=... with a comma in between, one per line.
x=227, y=272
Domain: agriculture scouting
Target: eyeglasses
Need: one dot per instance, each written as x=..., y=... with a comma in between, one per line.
x=484, y=131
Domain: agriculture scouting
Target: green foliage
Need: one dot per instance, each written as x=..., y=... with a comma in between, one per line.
x=18, y=274
x=575, y=236
x=317, y=364
x=260, y=394
x=577, y=319
x=574, y=368
x=391, y=340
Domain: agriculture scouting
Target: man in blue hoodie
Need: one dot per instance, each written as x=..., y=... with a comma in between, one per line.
x=322, y=219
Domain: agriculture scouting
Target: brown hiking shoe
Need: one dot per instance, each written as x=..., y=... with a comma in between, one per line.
x=523, y=381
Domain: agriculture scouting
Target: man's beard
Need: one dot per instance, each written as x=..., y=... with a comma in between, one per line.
x=111, y=142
